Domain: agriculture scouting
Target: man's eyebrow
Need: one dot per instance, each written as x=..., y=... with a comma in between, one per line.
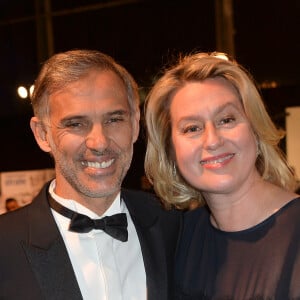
x=71, y=117
x=118, y=112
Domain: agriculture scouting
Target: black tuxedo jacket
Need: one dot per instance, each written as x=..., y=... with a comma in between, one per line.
x=34, y=263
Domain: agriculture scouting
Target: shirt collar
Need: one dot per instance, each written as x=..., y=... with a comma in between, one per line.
x=116, y=207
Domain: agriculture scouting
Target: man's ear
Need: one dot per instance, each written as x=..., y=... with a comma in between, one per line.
x=40, y=134
x=136, y=125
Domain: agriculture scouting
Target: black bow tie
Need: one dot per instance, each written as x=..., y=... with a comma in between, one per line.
x=115, y=225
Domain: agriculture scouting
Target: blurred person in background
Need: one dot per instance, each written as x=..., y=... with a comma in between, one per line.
x=11, y=204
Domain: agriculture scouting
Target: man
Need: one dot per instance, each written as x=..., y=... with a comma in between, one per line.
x=86, y=116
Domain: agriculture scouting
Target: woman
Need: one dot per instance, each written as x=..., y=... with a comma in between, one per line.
x=211, y=141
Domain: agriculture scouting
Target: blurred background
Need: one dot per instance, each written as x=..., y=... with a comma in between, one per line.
x=144, y=36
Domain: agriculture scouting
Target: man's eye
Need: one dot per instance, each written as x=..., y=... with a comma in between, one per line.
x=74, y=125
x=114, y=120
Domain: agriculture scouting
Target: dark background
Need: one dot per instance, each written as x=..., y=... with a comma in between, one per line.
x=143, y=36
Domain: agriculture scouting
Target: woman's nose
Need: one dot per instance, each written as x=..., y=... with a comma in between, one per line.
x=212, y=137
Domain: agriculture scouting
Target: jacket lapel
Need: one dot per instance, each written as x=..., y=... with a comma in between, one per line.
x=47, y=254
x=145, y=215
x=50, y=263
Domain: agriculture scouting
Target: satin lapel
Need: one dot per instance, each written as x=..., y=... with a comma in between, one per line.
x=145, y=215
x=47, y=253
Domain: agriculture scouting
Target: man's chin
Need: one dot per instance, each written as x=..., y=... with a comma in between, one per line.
x=102, y=191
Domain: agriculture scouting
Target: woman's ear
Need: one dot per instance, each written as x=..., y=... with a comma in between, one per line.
x=40, y=134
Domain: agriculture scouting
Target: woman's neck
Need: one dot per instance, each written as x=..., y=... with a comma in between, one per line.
x=240, y=211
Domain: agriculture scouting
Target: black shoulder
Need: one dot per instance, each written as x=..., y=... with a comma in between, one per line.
x=141, y=197
x=145, y=205
x=14, y=222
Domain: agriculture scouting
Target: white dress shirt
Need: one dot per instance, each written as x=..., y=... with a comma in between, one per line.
x=105, y=268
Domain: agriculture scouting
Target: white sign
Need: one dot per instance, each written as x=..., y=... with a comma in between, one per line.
x=293, y=138
x=23, y=185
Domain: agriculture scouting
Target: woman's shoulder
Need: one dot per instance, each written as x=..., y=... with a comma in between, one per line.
x=288, y=216
x=291, y=206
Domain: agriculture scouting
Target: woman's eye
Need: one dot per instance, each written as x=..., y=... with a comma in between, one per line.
x=192, y=128
x=227, y=120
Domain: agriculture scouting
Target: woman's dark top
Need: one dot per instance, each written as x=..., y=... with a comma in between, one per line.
x=262, y=262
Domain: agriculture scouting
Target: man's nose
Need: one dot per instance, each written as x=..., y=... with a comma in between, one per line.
x=96, y=138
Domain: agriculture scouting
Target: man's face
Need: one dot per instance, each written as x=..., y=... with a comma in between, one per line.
x=90, y=134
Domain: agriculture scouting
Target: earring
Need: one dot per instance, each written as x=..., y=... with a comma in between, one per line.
x=257, y=149
x=174, y=171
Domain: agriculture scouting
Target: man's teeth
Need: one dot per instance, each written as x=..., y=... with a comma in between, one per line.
x=102, y=165
x=216, y=161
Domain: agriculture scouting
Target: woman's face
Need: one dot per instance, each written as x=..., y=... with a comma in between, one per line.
x=214, y=145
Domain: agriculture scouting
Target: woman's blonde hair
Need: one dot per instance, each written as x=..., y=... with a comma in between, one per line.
x=159, y=161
